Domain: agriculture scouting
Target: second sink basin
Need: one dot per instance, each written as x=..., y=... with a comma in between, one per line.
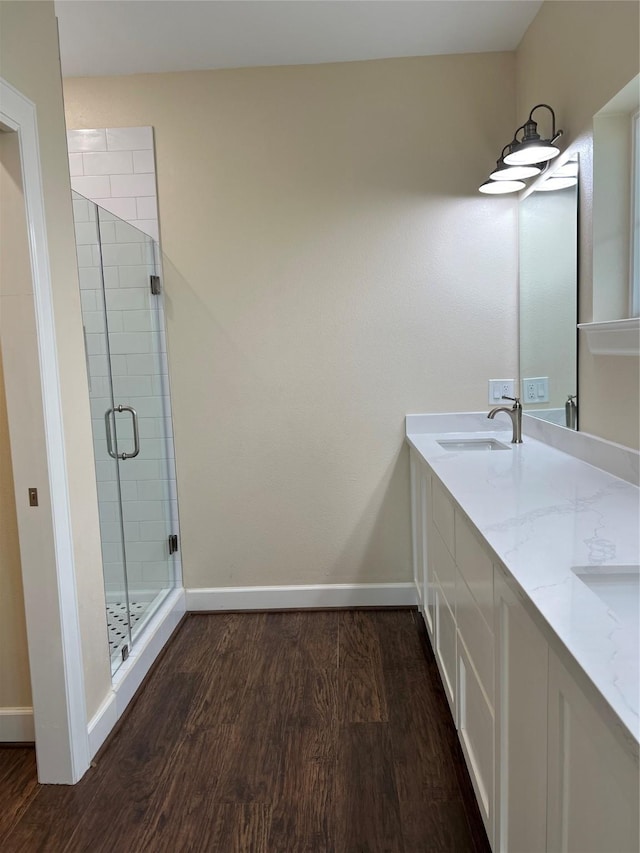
x=617, y=586
x=456, y=444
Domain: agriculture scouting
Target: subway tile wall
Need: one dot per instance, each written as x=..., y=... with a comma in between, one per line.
x=115, y=167
x=135, y=349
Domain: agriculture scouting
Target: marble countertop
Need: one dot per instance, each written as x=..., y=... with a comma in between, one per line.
x=543, y=511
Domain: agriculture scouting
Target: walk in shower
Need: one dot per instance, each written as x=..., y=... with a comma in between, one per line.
x=123, y=318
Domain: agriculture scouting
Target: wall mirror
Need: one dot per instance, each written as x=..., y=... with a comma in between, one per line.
x=548, y=296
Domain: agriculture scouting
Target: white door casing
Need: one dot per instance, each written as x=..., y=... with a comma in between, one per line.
x=51, y=605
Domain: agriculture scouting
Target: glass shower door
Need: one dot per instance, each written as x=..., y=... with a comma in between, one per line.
x=94, y=318
x=123, y=320
x=138, y=427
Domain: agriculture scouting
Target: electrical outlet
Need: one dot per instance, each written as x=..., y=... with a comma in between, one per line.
x=499, y=388
x=535, y=390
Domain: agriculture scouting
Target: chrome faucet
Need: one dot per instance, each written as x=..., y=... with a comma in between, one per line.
x=515, y=413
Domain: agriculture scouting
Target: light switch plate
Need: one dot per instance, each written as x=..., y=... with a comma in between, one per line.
x=499, y=388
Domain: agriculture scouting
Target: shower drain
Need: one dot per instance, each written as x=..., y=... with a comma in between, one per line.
x=117, y=621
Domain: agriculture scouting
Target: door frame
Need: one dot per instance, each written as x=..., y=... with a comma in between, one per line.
x=53, y=632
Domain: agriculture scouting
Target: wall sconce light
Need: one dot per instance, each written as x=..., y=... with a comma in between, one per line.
x=523, y=158
x=532, y=148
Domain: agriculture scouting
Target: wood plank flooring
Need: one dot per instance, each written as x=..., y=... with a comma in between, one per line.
x=313, y=732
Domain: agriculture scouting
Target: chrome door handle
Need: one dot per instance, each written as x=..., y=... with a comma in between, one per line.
x=136, y=433
x=107, y=427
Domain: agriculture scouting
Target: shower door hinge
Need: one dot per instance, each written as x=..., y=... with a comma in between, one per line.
x=173, y=543
x=155, y=284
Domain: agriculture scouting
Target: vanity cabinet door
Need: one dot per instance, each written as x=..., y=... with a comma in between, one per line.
x=593, y=797
x=522, y=660
x=475, y=565
x=443, y=569
x=477, y=637
x=445, y=646
x=476, y=732
x=443, y=513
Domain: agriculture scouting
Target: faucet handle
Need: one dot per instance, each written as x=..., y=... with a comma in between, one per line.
x=515, y=400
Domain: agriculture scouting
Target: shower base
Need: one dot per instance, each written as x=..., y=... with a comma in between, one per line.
x=142, y=606
x=117, y=623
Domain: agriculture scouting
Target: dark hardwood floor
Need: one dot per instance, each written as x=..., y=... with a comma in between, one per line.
x=267, y=733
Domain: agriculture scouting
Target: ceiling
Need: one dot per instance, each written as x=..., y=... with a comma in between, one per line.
x=105, y=37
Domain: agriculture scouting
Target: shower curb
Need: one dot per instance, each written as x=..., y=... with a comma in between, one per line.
x=131, y=674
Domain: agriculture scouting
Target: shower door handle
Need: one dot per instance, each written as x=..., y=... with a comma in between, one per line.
x=107, y=429
x=136, y=433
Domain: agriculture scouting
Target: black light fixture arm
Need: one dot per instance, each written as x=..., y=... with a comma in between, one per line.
x=553, y=116
x=530, y=125
x=516, y=132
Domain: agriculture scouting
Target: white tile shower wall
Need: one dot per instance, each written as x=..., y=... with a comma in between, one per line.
x=115, y=167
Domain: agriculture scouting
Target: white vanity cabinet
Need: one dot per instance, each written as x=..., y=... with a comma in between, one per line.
x=593, y=790
x=552, y=768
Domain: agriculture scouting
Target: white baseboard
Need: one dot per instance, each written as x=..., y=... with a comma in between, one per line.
x=102, y=722
x=301, y=597
x=16, y=725
x=132, y=672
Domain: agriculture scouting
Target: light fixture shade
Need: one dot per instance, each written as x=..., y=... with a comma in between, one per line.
x=501, y=187
x=534, y=151
x=514, y=173
x=567, y=170
x=555, y=183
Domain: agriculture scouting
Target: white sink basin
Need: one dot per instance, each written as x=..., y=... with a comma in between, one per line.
x=456, y=444
x=617, y=586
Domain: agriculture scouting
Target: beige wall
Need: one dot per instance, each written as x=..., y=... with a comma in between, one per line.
x=576, y=56
x=329, y=267
x=29, y=61
x=15, y=684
